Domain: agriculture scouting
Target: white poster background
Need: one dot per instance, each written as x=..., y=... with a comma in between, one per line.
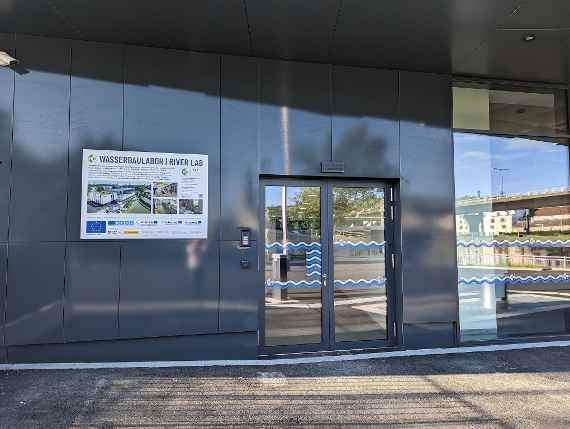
x=143, y=195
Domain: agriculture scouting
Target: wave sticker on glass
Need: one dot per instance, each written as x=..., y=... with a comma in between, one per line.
x=144, y=195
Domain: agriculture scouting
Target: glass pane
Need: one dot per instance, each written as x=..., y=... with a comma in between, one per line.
x=292, y=265
x=509, y=110
x=513, y=236
x=359, y=264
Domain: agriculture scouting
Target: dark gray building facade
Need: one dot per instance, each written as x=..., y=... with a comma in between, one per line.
x=364, y=155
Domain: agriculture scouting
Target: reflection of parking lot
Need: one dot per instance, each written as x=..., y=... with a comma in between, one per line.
x=514, y=309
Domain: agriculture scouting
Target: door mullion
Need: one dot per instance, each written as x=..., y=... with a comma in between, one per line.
x=326, y=264
x=391, y=263
x=330, y=265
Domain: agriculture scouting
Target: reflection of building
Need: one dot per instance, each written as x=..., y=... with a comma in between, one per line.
x=488, y=223
x=550, y=219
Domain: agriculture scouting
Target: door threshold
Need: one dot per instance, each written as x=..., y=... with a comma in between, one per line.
x=318, y=353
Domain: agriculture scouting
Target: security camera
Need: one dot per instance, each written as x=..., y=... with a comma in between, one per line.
x=6, y=60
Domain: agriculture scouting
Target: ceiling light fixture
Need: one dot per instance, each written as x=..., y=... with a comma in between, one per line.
x=6, y=60
x=529, y=37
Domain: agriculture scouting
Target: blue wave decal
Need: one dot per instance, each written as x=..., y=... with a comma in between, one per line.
x=360, y=244
x=293, y=246
x=293, y=285
x=512, y=279
x=314, y=247
x=350, y=283
x=515, y=243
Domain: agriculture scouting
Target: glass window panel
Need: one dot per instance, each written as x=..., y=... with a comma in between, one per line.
x=510, y=110
x=292, y=265
x=359, y=264
x=513, y=236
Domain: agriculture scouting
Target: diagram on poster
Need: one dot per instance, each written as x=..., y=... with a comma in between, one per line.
x=146, y=195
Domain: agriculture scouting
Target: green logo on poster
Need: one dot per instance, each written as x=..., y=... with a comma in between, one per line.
x=92, y=158
x=184, y=171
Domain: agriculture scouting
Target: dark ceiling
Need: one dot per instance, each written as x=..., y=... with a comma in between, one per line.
x=464, y=37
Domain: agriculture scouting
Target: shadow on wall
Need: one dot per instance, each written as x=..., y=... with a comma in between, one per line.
x=171, y=59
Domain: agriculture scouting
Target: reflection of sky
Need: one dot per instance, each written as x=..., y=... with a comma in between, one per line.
x=531, y=165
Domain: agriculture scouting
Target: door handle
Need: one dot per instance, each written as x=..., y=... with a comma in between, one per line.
x=324, y=279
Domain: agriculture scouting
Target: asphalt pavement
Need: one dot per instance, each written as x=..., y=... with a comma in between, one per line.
x=514, y=389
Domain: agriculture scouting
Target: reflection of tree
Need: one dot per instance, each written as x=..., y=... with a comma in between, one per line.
x=352, y=207
x=354, y=203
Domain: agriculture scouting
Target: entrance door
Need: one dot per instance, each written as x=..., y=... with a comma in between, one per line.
x=326, y=278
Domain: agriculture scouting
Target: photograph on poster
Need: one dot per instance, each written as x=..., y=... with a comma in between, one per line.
x=191, y=206
x=164, y=206
x=165, y=189
x=118, y=197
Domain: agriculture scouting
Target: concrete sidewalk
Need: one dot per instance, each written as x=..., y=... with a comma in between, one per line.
x=525, y=388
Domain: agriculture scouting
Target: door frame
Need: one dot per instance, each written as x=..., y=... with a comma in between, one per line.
x=328, y=342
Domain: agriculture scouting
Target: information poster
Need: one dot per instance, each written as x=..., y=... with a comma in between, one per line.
x=143, y=195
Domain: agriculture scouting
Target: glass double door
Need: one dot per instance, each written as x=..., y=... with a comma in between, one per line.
x=327, y=265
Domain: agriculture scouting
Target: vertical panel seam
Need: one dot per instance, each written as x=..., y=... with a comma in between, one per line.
x=11, y=151
x=121, y=250
x=118, y=322
x=67, y=191
x=123, y=76
x=331, y=109
x=220, y=223
x=402, y=180
x=10, y=154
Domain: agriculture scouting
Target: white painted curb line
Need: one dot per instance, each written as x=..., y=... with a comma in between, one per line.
x=284, y=361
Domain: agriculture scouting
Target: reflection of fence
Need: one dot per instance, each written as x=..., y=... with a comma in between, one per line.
x=276, y=246
x=313, y=263
x=513, y=279
x=503, y=260
x=515, y=243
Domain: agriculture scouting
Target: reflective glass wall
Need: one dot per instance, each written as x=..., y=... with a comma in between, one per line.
x=512, y=195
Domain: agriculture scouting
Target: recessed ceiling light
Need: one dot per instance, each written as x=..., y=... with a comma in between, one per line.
x=529, y=37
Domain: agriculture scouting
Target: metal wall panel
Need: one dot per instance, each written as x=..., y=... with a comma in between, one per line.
x=239, y=288
x=239, y=168
x=365, y=124
x=92, y=291
x=428, y=335
x=169, y=288
x=6, y=116
x=429, y=266
x=294, y=118
x=41, y=133
x=172, y=105
x=96, y=115
x=241, y=345
x=3, y=266
x=425, y=107
x=34, y=308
